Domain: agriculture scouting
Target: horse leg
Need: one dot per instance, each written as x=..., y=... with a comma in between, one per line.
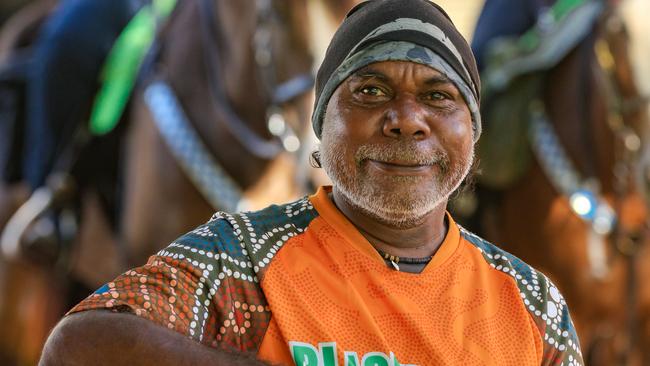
x=97, y=257
x=643, y=301
x=33, y=298
x=31, y=302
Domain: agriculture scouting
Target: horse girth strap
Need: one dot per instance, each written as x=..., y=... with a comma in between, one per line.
x=282, y=93
x=216, y=186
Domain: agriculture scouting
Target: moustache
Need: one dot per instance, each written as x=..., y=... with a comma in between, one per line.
x=403, y=152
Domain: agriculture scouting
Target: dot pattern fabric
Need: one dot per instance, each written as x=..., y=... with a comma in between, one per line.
x=543, y=300
x=298, y=284
x=206, y=283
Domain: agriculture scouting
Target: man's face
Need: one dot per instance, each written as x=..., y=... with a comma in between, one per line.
x=397, y=141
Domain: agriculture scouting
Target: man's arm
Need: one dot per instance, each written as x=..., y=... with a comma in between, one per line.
x=107, y=338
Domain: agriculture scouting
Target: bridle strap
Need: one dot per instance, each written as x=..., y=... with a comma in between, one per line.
x=262, y=41
x=278, y=94
x=255, y=144
x=628, y=163
x=292, y=88
x=629, y=144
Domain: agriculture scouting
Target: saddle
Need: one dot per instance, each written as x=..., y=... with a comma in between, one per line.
x=89, y=158
x=513, y=82
x=116, y=82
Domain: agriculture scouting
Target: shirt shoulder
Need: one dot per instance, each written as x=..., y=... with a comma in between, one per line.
x=259, y=235
x=542, y=299
x=248, y=236
x=206, y=284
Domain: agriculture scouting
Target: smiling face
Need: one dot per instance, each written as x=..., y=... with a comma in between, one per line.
x=397, y=141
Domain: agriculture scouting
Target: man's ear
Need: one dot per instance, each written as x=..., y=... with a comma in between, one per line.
x=314, y=159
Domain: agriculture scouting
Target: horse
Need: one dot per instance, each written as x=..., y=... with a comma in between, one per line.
x=233, y=73
x=8, y=8
x=223, y=91
x=578, y=211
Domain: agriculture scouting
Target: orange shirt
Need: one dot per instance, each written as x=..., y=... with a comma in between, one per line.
x=299, y=284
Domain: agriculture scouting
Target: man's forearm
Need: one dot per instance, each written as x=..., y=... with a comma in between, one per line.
x=105, y=338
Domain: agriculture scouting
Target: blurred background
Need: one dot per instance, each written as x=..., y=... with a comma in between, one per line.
x=125, y=123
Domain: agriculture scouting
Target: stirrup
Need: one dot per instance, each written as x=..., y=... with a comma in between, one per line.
x=58, y=190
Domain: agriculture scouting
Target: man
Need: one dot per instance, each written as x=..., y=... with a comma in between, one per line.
x=70, y=52
x=371, y=271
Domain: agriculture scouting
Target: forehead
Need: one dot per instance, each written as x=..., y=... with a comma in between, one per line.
x=400, y=71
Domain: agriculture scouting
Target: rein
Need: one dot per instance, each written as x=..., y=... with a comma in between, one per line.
x=193, y=156
x=628, y=164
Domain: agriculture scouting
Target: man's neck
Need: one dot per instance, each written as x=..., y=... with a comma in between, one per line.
x=416, y=241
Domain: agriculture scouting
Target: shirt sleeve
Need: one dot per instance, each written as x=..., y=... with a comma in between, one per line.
x=561, y=344
x=202, y=285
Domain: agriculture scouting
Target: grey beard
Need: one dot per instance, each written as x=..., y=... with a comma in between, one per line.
x=403, y=208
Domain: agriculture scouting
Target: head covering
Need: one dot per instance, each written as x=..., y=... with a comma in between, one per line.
x=398, y=30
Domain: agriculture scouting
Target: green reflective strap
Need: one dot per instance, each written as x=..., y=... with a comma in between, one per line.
x=164, y=7
x=123, y=63
x=564, y=7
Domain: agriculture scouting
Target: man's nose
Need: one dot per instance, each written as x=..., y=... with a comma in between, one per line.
x=406, y=118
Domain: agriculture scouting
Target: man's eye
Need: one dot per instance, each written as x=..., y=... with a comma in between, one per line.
x=437, y=96
x=372, y=90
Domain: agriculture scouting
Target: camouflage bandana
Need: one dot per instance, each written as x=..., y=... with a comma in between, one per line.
x=395, y=51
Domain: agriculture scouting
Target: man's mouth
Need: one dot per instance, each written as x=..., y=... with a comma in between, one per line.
x=399, y=167
x=401, y=159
